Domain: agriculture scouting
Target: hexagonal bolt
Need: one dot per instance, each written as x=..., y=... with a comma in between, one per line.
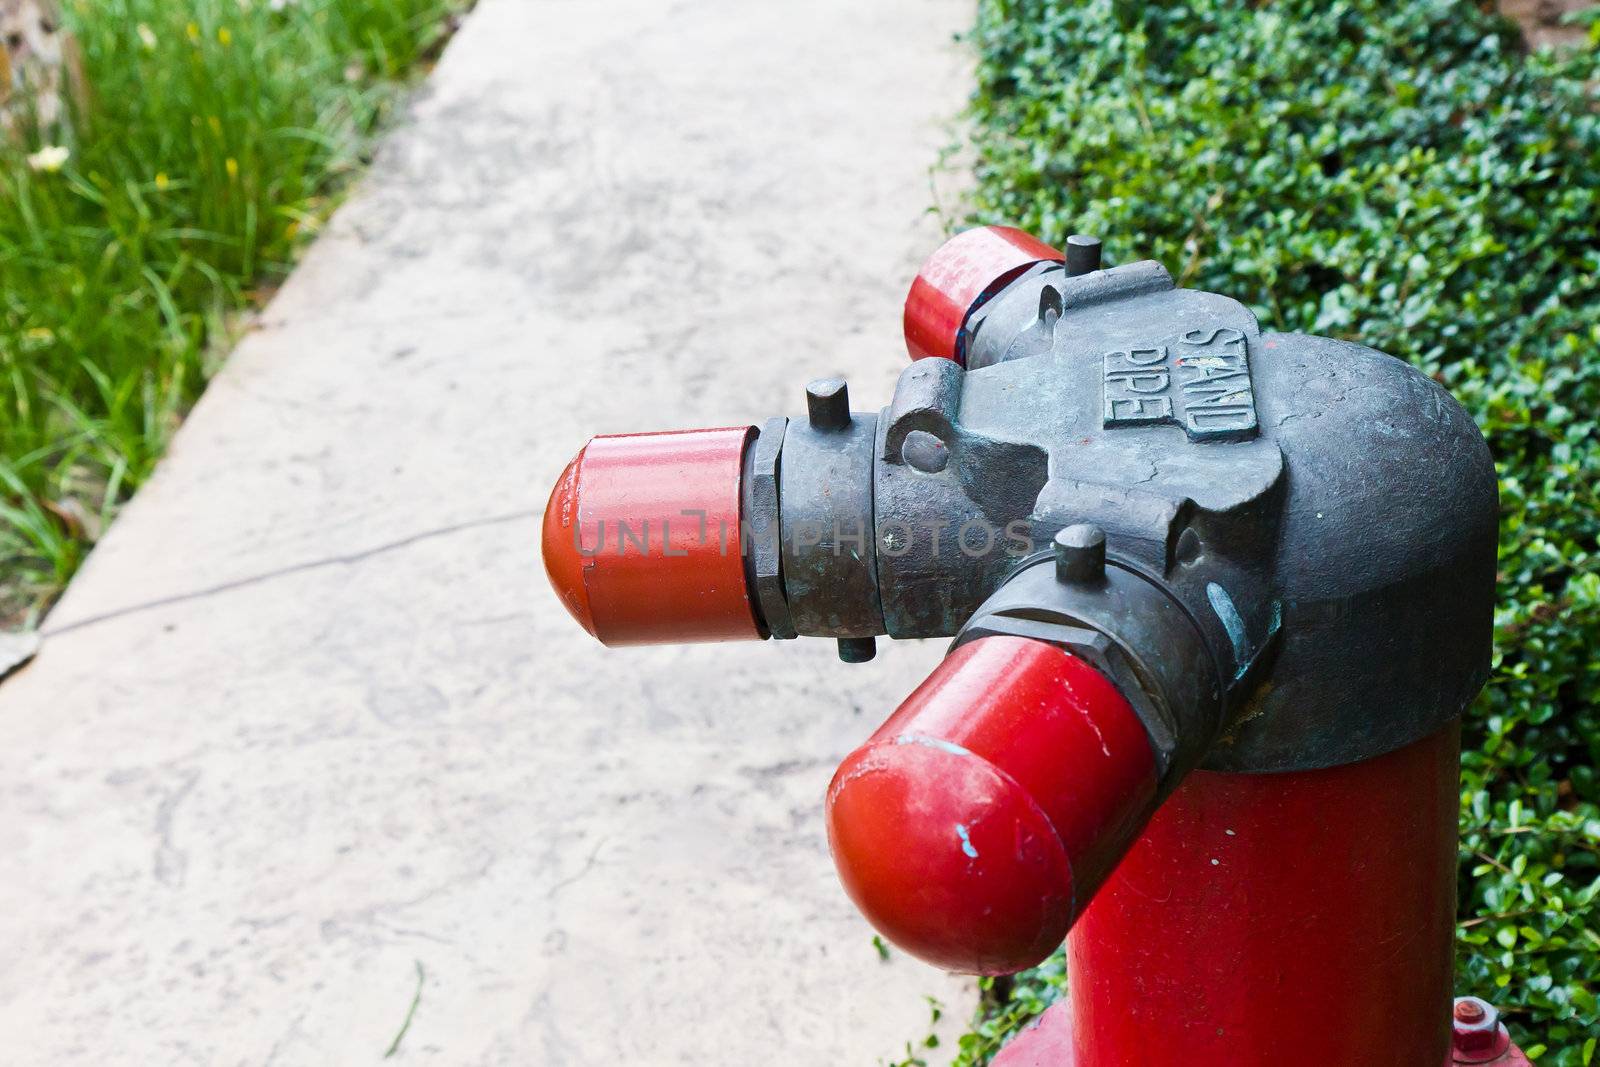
x=828, y=404
x=857, y=649
x=1083, y=254
x=1477, y=1035
x=1080, y=553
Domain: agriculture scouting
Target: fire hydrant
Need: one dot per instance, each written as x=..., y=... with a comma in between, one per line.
x=1219, y=598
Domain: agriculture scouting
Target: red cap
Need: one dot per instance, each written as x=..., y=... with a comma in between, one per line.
x=641, y=538
x=966, y=270
x=974, y=826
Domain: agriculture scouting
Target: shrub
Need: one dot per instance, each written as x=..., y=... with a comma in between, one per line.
x=1399, y=174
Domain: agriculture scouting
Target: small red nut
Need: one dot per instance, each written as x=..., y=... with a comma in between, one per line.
x=1477, y=1035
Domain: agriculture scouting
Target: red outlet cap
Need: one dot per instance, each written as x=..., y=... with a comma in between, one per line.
x=974, y=826
x=641, y=538
x=955, y=281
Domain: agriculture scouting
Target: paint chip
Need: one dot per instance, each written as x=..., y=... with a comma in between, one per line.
x=932, y=742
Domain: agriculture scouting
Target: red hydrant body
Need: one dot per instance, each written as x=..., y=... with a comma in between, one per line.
x=1296, y=920
x=1275, y=920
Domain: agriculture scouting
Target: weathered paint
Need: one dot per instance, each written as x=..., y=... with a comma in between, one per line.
x=954, y=282
x=1254, y=904
x=1043, y=772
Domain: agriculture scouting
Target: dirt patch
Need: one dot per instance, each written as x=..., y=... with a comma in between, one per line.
x=1541, y=21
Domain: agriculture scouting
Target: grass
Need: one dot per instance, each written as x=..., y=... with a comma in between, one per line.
x=411, y=1013
x=212, y=139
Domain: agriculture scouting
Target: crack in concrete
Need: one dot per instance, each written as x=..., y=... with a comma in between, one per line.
x=358, y=923
x=588, y=865
x=282, y=572
x=171, y=862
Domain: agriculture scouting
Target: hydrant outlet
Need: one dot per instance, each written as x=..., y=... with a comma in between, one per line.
x=641, y=538
x=965, y=272
x=981, y=817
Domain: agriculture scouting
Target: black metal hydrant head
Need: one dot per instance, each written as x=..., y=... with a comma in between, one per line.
x=1299, y=532
x=1279, y=549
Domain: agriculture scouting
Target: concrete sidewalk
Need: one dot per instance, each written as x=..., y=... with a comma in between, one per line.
x=310, y=718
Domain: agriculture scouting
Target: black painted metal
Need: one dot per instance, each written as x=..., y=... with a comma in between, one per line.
x=828, y=548
x=1300, y=532
x=857, y=649
x=761, y=533
x=1081, y=554
x=1083, y=254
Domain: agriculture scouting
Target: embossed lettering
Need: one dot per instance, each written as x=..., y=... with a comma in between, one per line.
x=1201, y=382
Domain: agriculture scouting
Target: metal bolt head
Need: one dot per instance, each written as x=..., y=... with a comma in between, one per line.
x=1080, y=553
x=1477, y=1035
x=1083, y=254
x=857, y=649
x=828, y=404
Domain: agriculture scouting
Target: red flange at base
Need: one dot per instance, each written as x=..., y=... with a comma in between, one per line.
x=1048, y=1043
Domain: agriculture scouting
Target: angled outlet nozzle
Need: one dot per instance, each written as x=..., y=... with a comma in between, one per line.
x=976, y=823
x=642, y=538
x=967, y=270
